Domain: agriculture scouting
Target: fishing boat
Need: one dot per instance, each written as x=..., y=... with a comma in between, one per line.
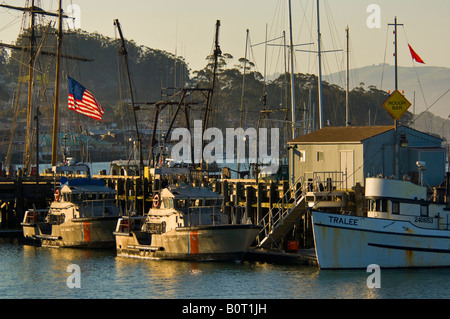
x=185, y=223
x=83, y=213
x=403, y=228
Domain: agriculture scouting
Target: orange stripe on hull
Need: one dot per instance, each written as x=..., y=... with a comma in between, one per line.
x=193, y=242
x=86, y=232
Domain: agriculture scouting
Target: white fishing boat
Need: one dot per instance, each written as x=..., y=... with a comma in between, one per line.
x=83, y=214
x=186, y=223
x=403, y=228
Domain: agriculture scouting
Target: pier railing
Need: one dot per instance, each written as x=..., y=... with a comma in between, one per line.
x=325, y=181
x=280, y=212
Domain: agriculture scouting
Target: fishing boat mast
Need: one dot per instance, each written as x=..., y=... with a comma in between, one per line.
x=291, y=47
x=123, y=52
x=57, y=79
x=319, y=54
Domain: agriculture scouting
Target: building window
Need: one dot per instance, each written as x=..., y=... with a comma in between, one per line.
x=320, y=156
x=302, y=156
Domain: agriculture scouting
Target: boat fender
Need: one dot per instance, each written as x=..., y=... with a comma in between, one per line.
x=156, y=202
x=57, y=197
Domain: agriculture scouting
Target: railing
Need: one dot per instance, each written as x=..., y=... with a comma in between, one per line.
x=309, y=182
x=326, y=181
x=99, y=208
x=282, y=208
x=204, y=210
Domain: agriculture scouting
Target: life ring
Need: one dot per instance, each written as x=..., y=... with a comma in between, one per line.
x=156, y=202
x=57, y=197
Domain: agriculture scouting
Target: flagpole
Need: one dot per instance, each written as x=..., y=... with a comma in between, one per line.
x=56, y=107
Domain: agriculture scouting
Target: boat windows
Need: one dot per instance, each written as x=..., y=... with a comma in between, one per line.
x=90, y=196
x=396, y=208
x=384, y=205
x=379, y=205
x=213, y=202
x=424, y=210
x=180, y=203
x=194, y=202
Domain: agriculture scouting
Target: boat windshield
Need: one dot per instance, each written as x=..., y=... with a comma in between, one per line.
x=76, y=198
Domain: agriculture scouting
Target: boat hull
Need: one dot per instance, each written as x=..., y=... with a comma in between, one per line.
x=203, y=243
x=75, y=233
x=356, y=242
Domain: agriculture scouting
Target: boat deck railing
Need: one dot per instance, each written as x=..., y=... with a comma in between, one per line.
x=213, y=212
x=99, y=208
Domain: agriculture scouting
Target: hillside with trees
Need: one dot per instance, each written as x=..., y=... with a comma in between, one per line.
x=259, y=104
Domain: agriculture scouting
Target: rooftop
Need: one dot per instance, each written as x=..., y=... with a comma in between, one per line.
x=341, y=134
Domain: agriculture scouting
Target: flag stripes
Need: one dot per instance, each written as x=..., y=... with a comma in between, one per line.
x=82, y=101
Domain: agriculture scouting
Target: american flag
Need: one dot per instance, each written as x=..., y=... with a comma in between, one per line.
x=82, y=101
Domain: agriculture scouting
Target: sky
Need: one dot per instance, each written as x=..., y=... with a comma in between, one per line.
x=187, y=28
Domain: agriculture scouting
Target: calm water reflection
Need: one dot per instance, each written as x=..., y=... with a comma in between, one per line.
x=31, y=272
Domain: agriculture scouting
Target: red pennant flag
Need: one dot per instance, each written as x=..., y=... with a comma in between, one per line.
x=415, y=56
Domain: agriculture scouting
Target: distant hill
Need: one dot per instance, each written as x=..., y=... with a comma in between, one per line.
x=428, y=84
x=432, y=81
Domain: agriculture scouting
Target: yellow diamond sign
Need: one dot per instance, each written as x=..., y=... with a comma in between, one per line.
x=396, y=104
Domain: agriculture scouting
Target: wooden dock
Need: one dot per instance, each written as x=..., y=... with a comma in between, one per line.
x=249, y=198
x=306, y=257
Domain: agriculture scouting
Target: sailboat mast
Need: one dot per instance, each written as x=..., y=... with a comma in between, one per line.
x=58, y=73
x=292, y=72
x=30, y=86
x=319, y=53
x=243, y=87
x=123, y=51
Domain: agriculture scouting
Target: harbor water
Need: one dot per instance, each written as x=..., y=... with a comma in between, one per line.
x=29, y=272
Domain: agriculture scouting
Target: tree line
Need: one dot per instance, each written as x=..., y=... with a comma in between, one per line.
x=256, y=103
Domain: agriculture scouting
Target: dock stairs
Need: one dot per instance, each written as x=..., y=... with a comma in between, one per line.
x=282, y=217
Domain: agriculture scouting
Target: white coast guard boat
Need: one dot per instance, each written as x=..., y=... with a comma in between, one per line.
x=83, y=214
x=403, y=229
x=186, y=223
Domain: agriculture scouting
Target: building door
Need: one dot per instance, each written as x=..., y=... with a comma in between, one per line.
x=347, y=168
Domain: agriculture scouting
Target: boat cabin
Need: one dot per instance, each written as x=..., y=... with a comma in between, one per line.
x=185, y=206
x=402, y=200
x=89, y=198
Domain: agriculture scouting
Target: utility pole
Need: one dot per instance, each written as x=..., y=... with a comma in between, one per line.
x=347, y=84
